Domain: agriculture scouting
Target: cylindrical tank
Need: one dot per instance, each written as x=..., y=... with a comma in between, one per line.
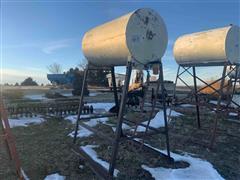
x=213, y=47
x=140, y=35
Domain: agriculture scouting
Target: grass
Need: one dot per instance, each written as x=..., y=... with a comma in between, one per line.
x=12, y=94
x=46, y=148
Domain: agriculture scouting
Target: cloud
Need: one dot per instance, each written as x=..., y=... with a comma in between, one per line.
x=52, y=48
x=48, y=47
x=57, y=45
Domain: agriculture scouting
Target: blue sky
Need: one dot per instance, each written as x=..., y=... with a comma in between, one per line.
x=35, y=34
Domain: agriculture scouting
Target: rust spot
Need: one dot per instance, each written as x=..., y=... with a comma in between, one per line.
x=146, y=20
x=150, y=34
x=135, y=38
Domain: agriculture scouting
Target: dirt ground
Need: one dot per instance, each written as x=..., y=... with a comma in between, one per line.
x=46, y=148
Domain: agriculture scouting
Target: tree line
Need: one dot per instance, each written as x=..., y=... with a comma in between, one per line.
x=95, y=78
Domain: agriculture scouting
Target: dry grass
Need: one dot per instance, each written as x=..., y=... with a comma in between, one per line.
x=46, y=148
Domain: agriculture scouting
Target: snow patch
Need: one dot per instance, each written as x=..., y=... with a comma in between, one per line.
x=55, y=176
x=105, y=106
x=24, y=175
x=67, y=94
x=236, y=99
x=35, y=96
x=198, y=169
x=187, y=105
x=25, y=121
x=92, y=94
x=216, y=102
x=82, y=132
x=73, y=118
x=92, y=153
x=158, y=120
x=91, y=122
x=94, y=122
x=233, y=114
x=124, y=126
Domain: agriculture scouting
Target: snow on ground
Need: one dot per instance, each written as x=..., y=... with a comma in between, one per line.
x=216, y=102
x=187, y=105
x=92, y=94
x=82, y=132
x=105, y=106
x=158, y=120
x=73, y=118
x=24, y=175
x=124, y=126
x=94, y=122
x=233, y=114
x=198, y=169
x=91, y=122
x=55, y=176
x=25, y=121
x=35, y=96
x=236, y=99
x=92, y=153
x=67, y=94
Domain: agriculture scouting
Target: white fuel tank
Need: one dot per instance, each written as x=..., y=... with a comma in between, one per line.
x=140, y=35
x=213, y=47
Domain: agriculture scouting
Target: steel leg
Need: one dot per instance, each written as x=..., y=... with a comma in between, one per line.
x=114, y=87
x=218, y=114
x=175, y=87
x=80, y=104
x=153, y=103
x=174, y=94
x=161, y=79
x=120, y=119
x=196, y=96
x=145, y=90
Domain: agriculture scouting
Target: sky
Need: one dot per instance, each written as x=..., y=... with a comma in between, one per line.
x=35, y=34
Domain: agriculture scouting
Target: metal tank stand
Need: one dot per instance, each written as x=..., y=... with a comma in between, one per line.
x=233, y=83
x=223, y=109
x=196, y=93
x=120, y=136
x=81, y=101
x=193, y=90
x=218, y=109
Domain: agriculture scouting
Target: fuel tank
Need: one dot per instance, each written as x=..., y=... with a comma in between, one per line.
x=212, y=47
x=139, y=36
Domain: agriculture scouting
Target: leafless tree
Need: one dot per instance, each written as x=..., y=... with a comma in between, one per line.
x=55, y=68
x=82, y=64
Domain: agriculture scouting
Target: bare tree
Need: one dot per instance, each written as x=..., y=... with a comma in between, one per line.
x=82, y=64
x=55, y=68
